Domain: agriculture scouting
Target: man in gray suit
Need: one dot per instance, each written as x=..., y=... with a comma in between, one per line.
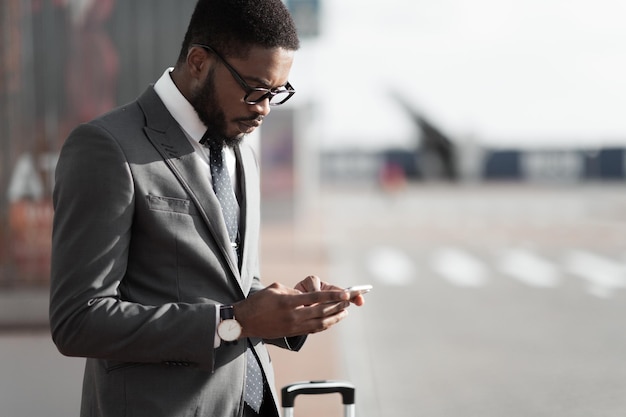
x=152, y=280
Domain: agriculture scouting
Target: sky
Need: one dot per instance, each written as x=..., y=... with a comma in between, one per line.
x=503, y=73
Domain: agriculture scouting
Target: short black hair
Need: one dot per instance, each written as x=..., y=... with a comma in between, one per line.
x=231, y=27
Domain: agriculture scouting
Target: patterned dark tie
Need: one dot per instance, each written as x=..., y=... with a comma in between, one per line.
x=253, y=390
x=224, y=190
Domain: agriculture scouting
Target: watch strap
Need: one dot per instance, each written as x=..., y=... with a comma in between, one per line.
x=227, y=312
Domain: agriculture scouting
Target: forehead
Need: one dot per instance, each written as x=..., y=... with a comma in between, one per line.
x=268, y=67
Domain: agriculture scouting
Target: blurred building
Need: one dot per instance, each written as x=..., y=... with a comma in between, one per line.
x=63, y=62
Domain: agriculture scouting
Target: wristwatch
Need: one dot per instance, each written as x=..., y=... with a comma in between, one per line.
x=229, y=328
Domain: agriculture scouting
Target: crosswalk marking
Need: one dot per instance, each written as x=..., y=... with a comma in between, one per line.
x=459, y=267
x=391, y=266
x=603, y=275
x=529, y=268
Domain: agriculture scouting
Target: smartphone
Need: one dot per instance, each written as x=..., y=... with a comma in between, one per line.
x=358, y=289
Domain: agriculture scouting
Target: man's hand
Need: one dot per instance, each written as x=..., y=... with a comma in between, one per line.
x=312, y=283
x=278, y=311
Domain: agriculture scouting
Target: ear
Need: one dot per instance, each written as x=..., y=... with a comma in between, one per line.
x=198, y=62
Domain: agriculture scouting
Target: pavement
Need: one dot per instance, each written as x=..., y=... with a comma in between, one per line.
x=489, y=300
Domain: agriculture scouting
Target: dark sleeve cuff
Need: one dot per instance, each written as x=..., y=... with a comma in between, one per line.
x=292, y=343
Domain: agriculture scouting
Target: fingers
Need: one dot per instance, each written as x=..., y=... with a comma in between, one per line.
x=330, y=287
x=320, y=317
x=311, y=283
x=278, y=311
x=323, y=310
x=315, y=283
x=317, y=297
x=359, y=300
x=328, y=322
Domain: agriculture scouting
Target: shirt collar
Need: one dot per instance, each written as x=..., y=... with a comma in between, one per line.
x=181, y=110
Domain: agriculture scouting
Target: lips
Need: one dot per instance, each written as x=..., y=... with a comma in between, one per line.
x=247, y=126
x=252, y=123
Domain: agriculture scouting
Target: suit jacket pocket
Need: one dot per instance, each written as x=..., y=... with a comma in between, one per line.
x=170, y=204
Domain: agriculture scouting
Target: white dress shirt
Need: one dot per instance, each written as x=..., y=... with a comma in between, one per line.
x=183, y=112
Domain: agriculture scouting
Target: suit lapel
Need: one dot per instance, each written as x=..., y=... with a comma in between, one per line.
x=170, y=141
x=248, y=179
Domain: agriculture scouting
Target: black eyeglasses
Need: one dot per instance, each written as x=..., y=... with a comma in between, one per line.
x=255, y=95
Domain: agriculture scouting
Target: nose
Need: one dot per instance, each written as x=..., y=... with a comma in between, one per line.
x=262, y=107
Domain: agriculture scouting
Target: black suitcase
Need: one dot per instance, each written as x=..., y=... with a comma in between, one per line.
x=291, y=391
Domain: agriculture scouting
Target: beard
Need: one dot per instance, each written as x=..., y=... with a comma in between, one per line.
x=211, y=113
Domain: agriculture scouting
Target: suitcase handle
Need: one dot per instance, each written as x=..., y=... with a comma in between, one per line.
x=291, y=391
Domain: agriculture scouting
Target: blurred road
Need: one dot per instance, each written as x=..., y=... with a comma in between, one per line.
x=488, y=301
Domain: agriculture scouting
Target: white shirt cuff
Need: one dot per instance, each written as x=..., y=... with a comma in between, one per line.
x=217, y=341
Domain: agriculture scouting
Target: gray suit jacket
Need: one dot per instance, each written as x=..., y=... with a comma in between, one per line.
x=140, y=258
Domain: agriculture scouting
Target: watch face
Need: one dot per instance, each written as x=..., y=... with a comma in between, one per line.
x=229, y=330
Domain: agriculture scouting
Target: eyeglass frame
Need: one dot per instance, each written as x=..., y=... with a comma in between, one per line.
x=269, y=93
